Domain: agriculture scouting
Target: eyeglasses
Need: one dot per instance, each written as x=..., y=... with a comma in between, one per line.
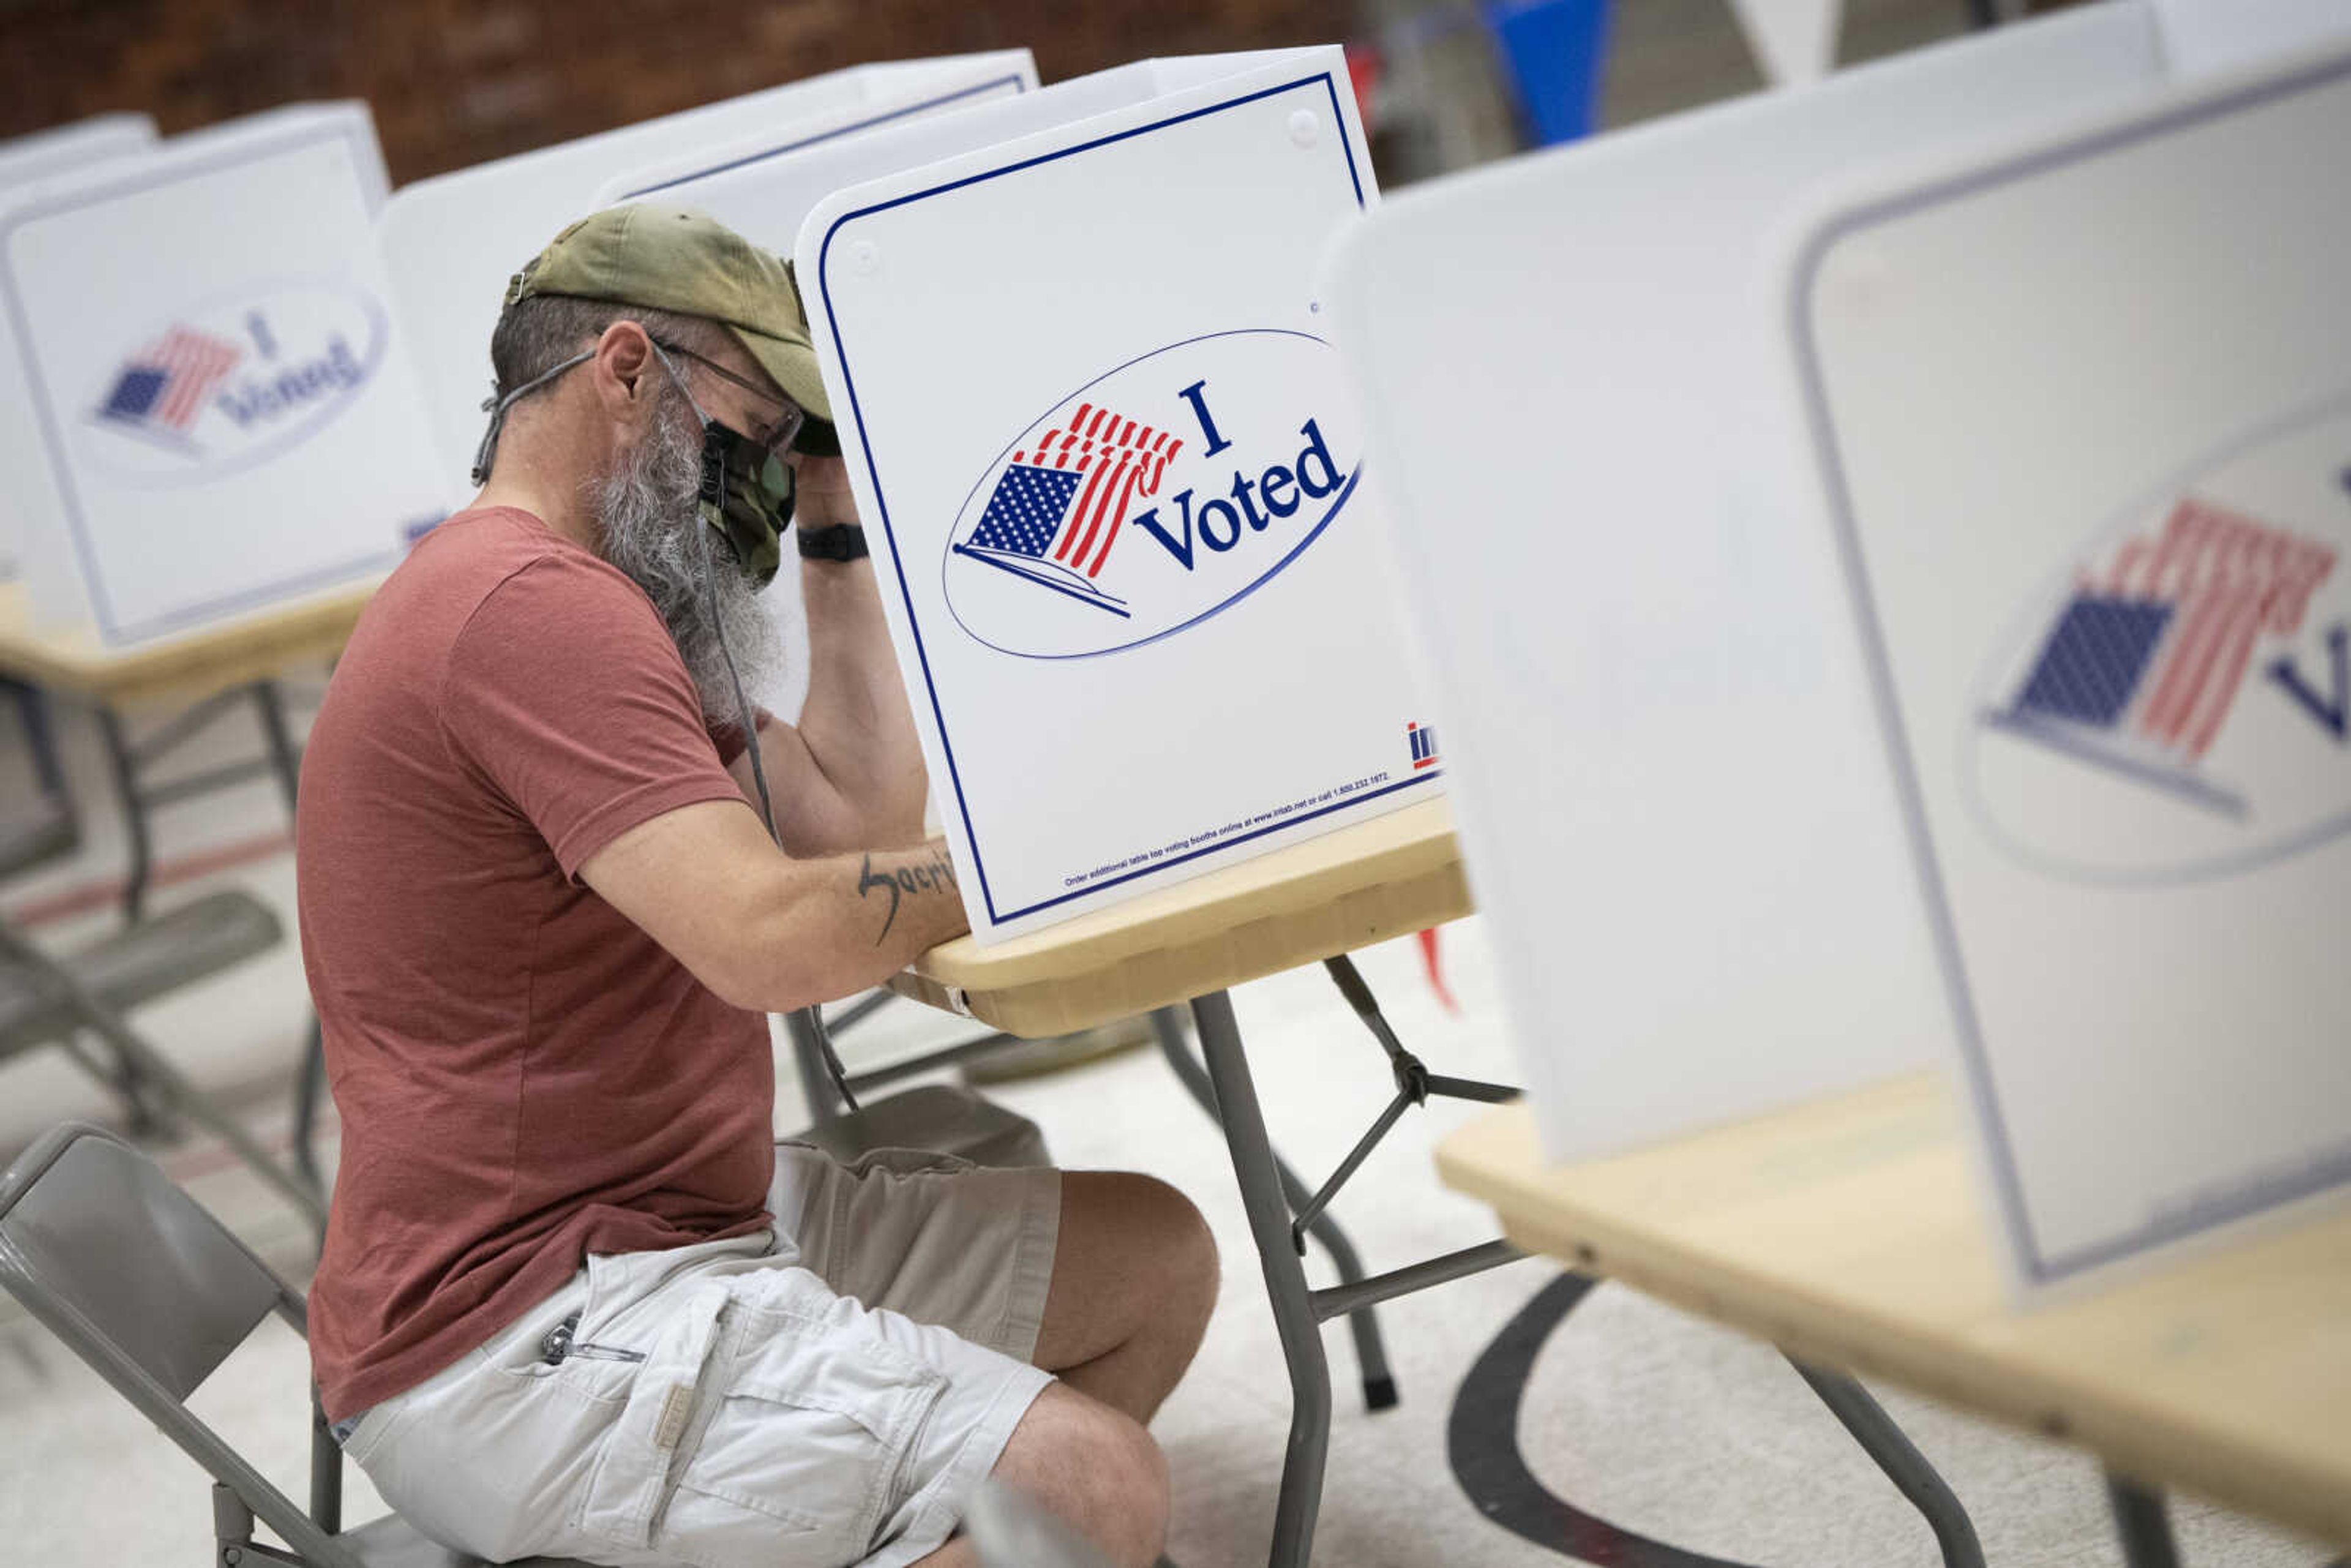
x=777, y=438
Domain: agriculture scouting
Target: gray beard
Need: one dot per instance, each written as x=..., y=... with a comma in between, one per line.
x=653, y=532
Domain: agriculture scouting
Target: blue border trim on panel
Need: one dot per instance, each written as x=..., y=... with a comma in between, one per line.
x=889, y=535
x=101, y=608
x=1017, y=83
x=2041, y=1266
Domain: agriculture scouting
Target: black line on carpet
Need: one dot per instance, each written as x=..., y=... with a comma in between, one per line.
x=1481, y=1439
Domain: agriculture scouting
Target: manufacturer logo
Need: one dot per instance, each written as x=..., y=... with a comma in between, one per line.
x=1155, y=497
x=1421, y=740
x=234, y=384
x=2179, y=711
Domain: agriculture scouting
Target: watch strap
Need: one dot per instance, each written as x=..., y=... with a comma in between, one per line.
x=841, y=541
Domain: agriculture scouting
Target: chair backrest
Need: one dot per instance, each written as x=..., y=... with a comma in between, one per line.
x=143, y=1284
x=101, y=1246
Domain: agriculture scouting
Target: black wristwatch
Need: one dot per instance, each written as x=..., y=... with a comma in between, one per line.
x=842, y=541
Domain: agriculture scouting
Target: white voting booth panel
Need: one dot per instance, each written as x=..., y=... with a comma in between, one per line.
x=2211, y=38
x=2087, y=415
x=996, y=79
x=368, y=171
x=23, y=161
x=220, y=417
x=765, y=188
x=452, y=242
x=1670, y=797
x=91, y=140
x=1099, y=438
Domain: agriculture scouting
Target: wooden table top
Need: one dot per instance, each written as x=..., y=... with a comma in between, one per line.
x=187, y=667
x=1362, y=883
x=1848, y=1232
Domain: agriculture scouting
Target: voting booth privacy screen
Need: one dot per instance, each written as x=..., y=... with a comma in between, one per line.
x=1618, y=562
x=23, y=161
x=2085, y=417
x=218, y=412
x=1096, y=429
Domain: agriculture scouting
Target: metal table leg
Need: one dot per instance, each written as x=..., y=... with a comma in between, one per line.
x=309, y=1088
x=1371, y=1350
x=1294, y=1317
x=125, y=764
x=1903, y=1464
x=40, y=736
x=2141, y=1522
x=285, y=757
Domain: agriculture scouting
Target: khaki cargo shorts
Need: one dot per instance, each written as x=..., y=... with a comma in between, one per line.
x=826, y=1396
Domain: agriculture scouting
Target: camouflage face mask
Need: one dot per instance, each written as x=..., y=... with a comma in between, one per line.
x=745, y=495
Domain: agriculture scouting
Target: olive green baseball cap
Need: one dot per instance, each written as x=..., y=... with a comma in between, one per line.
x=675, y=258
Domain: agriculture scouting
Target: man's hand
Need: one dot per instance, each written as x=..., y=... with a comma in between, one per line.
x=767, y=932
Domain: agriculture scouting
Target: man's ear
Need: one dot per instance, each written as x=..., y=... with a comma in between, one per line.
x=624, y=359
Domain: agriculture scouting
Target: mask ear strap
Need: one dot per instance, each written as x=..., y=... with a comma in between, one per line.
x=710, y=497
x=495, y=407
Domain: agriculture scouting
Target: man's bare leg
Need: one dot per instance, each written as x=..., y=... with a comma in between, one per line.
x=1135, y=1277
x=1094, y=1468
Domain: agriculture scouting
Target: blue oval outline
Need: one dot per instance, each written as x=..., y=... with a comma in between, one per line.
x=2211, y=868
x=379, y=323
x=1346, y=493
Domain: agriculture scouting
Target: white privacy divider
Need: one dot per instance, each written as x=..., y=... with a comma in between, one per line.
x=352, y=119
x=2082, y=407
x=993, y=78
x=1113, y=489
x=766, y=188
x=23, y=161
x=2213, y=37
x=453, y=241
x=1671, y=801
x=219, y=417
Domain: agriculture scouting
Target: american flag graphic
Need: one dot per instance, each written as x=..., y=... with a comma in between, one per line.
x=1060, y=505
x=163, y=385
x=2152, y=650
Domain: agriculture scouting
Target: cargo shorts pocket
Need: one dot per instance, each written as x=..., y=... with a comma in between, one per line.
x=804, y=1451
x=630, y=1477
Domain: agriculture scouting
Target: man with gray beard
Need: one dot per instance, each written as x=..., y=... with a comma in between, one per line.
x=575, y=1301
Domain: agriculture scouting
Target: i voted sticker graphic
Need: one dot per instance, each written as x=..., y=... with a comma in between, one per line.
x=233, y=382
x=2173, y=707
x=1160, y=494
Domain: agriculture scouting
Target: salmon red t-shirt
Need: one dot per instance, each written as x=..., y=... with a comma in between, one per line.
x=524, y=1076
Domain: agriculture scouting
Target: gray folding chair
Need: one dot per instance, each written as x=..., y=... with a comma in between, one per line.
x=154, y=1293
x=77, y=1004
x=942, y=1118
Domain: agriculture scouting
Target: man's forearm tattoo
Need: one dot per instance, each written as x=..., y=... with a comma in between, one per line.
x=936, y=874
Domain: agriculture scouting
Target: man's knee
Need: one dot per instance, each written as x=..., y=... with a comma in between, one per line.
x=1179, y=1241
x=1094, y=1466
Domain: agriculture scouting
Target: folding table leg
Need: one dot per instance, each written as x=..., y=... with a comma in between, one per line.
x=285, y=757
x=2141, y=1522
x=124, y=762
x=1364, y=1324
x=1903, y=1464
x=1294, y=1317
